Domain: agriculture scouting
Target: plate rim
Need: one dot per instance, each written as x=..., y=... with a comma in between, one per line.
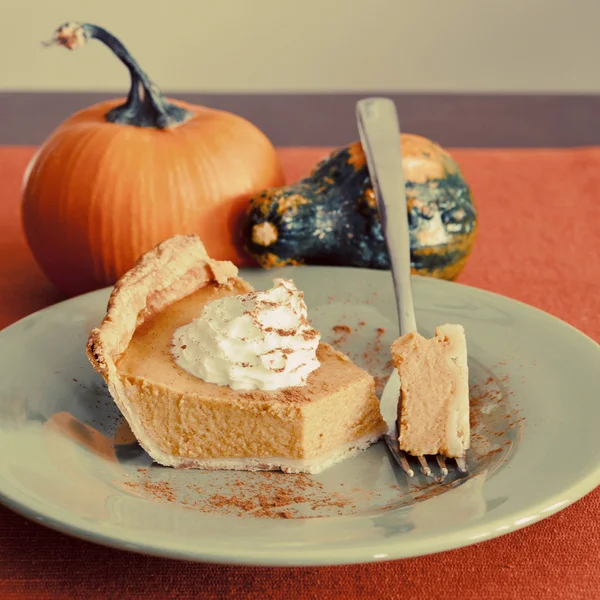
x=389, y=549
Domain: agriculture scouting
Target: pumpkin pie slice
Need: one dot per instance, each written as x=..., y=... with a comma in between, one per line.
x=433, y=408
x=184, y=421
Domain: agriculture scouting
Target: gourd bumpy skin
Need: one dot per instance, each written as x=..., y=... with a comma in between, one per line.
x=331, y=217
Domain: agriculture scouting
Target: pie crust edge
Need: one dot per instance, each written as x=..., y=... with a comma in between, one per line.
x=171, y=271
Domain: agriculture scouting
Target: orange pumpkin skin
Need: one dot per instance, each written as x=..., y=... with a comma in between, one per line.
x=117, y=178
x=98, y=195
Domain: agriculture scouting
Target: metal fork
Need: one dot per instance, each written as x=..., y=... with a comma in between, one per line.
x=380, y=137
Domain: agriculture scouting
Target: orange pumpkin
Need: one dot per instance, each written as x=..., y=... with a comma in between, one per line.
x=117, y=178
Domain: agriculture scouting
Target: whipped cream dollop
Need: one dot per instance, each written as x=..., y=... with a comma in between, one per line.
x=261, y=340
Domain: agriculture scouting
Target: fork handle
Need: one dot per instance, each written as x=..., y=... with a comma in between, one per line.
x=380, y=137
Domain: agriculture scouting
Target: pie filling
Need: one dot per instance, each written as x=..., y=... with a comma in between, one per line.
x=204, y=425
x=290, y=465
x=433, y=406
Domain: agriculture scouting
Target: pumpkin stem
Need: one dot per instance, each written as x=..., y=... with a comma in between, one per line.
x=145, y=105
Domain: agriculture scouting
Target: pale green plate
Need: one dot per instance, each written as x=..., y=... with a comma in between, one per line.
x=535, y=383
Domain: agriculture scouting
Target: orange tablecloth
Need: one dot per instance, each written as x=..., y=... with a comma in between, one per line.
x=539, y=242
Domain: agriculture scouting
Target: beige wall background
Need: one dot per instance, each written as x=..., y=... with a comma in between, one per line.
x=312, y=45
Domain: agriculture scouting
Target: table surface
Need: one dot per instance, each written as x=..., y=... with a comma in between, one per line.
x=538, y=242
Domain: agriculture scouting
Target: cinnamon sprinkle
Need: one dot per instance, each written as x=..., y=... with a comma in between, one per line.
x=342, y=328
x=342, y=333
x=267, y=494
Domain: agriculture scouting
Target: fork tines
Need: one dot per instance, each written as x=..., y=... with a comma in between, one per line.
x=401, y=458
